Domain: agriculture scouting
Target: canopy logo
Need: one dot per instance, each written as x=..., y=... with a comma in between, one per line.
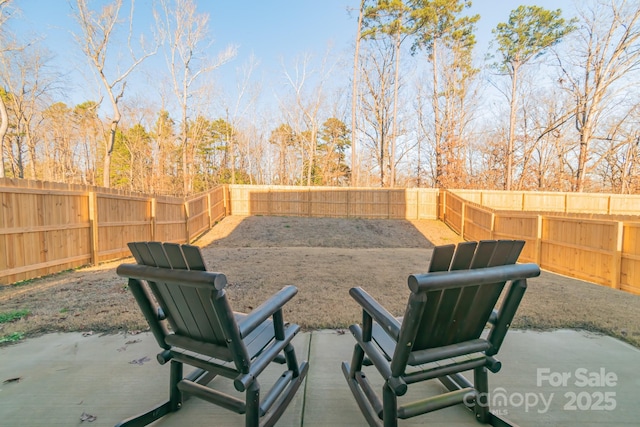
x=595, y=393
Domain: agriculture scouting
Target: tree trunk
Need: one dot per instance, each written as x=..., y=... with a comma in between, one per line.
x=231, y=148
x=282, y=166
x=31, y=147
x=312, y=154
x=186, y=176
x=383, y=150
x=354, y=97
x=512, y=124
x=106, y=175
x=4, y=125
x=436, y=119
x=392, y=160
x=582, y=158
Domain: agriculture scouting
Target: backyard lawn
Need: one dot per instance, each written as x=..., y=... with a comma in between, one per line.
x=323, y=257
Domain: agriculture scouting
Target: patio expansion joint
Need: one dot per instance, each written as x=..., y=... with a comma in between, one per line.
x=306, y=382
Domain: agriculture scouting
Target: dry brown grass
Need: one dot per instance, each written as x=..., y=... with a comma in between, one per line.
x=323, y=257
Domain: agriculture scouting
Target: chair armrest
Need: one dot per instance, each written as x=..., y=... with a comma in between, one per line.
x=242, y=381
x=380, y=314
x=266, y=310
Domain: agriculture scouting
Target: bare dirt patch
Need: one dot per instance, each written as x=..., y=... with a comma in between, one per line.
x=323, y=257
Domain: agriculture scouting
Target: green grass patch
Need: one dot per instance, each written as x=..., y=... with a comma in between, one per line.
x=12, y=315
x=12, y=337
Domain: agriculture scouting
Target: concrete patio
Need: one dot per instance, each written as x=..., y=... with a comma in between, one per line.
x=561, y=378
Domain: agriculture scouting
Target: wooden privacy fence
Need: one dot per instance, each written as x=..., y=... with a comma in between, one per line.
x=338, y=202
x=48, y=227
x=597, y=250
x=547, y=201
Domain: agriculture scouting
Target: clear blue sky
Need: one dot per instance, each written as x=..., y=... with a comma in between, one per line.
x=272, y=30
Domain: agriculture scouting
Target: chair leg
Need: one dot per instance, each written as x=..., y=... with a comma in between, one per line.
x=173, y=404
x=175, y=393
x=481, y=384
x=252, y=416
x=362, y=397
x=390, y=405
x=356, y=361
x=292, y=361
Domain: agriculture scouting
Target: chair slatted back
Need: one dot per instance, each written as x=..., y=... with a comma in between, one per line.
x=188, y=310
x=457, y=315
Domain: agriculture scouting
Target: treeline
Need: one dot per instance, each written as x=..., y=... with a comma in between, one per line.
x=553, y=106
x=68, y=146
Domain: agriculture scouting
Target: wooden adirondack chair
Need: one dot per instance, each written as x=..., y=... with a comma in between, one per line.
x=442, y=332
x=193, y=323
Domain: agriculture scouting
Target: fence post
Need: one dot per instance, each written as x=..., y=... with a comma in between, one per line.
x=443, y=208
x=493, y=225
x=617, y=258
x=225, y=199
x=538, y=254
x=186, y=221
x=388, y=203
x=462, y=219
x=153, y=218
x=209, y=209
x=93, y=226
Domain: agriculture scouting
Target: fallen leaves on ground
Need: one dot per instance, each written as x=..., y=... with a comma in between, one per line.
x=140, y=361
x=87, y=417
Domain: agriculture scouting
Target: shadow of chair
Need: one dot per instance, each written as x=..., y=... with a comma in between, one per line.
x=189, y=315
x=442, y=333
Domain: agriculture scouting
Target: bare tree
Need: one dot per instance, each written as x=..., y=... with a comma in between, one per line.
x=5, y=46
x=4, y=126
x=283, y=137
x=355, y=166
x=617, y=156
x=95, y=39
x=88, y=130
x=308, y=101
x=247, y=94
x=186, y=34
x=58, y=161
x=391, y=18
x=448, y=39
x=601, y=69
x=31, y=83
x=423, y=133
x=528, y=33
x=377, y=99
x=164, y=165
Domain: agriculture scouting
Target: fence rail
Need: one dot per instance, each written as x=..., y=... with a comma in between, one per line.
x=603, y=251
